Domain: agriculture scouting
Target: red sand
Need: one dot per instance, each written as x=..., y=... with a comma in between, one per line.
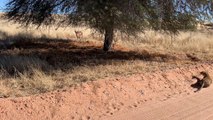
x=99, y=99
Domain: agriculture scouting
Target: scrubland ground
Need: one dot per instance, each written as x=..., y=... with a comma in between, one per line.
x=49, y=58
x=47, y=73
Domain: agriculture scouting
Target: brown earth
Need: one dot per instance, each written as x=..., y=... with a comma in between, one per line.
x=107, y=98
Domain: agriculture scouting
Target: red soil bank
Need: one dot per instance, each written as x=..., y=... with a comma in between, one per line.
x=102, y=98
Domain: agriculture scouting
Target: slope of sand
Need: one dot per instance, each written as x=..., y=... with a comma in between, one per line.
x=106, y=98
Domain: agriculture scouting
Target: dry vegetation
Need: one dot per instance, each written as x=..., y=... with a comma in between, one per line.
x=39, y=60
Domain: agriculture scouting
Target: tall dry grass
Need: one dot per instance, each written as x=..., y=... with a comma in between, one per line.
x=185, y=41
x=23, y=76
x=13, y=29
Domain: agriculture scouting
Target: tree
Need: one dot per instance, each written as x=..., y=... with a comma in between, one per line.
x=109, y=16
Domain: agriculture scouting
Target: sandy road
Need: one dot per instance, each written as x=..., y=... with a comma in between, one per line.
x=198, y=106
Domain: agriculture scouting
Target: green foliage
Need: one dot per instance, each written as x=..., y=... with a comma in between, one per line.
x=107, y=16
x=127, y=16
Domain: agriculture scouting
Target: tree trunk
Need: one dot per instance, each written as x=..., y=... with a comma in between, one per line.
x=109, y=33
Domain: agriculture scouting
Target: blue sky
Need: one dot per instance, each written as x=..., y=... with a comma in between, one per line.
x=2, y=4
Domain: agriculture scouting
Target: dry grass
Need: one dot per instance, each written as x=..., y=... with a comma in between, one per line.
x=198, y=41
x=68, y=32
x=46, y=59
x=26, y=84
x=26, y=75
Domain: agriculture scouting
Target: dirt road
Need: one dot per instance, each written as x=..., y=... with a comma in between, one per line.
x=197, y=106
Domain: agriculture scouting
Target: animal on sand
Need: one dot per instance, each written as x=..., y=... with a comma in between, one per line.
x=205, y=82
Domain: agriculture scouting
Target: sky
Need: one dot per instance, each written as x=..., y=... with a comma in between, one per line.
x=2, y=4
